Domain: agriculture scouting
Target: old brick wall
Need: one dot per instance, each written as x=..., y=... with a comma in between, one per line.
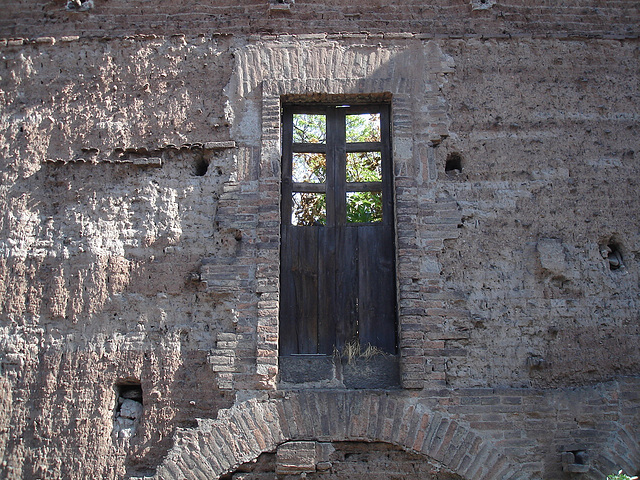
x=139, y=239
x=473, y=433
x=336, y=460
x=618, y=18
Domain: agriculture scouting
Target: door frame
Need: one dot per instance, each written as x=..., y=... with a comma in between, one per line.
x=357, y=279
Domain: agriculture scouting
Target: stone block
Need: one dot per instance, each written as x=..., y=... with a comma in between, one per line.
x=324, y=451
x=147, y=161
x=552, y=255
x=131, y=409
x=306, y=368
x=296, y=457
x=219, y=145
x=378, y=371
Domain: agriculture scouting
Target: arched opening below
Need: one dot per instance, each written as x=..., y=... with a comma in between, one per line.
x=338, y=460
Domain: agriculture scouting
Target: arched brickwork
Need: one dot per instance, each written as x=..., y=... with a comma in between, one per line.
x=622, y=452
x=247, y=429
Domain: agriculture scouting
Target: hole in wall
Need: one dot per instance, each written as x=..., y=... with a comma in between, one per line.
x=575, y=461
x=482, y=4
x=453, y=165
x=79, y=5
x=281, y=5
x=200, y=166
x=612, y=252
x=128, y=408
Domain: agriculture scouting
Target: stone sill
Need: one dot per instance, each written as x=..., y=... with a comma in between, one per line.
x=328, y=371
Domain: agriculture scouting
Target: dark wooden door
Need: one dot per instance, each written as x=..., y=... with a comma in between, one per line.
x=337, y=253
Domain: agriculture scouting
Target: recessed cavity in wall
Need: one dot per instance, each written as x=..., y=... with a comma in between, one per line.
x=128, y=408
x=575, y=460
x=453, y=165
x=611, y=251
x=280, y=5
x=200, y=166
x=482, y=4
x=79, y=5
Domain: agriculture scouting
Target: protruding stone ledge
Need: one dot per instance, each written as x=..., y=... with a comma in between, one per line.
x=328, y=371
x=154, y=162
x=219, y=145
x=139, y=156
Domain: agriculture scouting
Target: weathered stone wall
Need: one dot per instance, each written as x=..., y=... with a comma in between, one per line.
x=139, y=234
x=548, y=140
x=110, y=193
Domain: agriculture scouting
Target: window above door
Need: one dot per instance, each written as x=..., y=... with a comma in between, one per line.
x=336, y=164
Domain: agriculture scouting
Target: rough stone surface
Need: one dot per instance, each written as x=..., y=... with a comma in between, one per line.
x=140, y=223
x=551, y=212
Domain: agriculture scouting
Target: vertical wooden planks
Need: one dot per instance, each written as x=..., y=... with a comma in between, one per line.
x=305, y=272
x=299, y=290
x=287, y=340
x=376, y=292
x=345, y=306
x=326, y=290
x=337, y=280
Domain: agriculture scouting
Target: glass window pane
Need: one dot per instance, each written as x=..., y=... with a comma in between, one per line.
x=309, y=209
x=364, y=207
x=364, y=167
x=363, y=128
x=308, y=128
x=309, y=167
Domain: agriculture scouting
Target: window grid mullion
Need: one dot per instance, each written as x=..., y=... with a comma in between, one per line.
x=335, y=149
x=339, y=161
x=287, y=165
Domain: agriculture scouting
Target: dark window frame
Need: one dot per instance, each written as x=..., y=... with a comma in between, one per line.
x=336, y=148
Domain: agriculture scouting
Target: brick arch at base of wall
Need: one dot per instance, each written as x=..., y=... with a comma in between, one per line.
x=621, y=452
x=240, y=434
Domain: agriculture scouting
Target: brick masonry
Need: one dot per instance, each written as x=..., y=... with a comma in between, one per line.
x=463, y=429
x=140, y=185
x=335, y=460
x=442, y=18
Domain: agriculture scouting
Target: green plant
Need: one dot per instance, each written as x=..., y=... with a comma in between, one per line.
x=621, y=476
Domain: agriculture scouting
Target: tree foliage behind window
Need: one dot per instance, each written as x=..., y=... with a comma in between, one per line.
x=362, y=207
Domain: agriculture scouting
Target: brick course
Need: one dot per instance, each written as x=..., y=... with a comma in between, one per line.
x=618, y=19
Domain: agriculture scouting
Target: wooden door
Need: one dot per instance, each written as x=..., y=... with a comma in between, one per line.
x=337, y=281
